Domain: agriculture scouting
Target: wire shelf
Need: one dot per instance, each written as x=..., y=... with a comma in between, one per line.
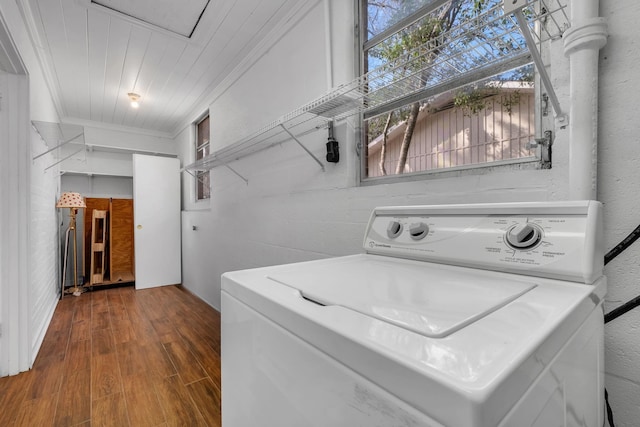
x=486, y=45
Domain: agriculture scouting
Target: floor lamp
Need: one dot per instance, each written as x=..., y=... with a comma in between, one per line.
x=73, y=201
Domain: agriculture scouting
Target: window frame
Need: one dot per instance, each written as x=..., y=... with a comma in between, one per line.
x=364, y=45
x=201, y=150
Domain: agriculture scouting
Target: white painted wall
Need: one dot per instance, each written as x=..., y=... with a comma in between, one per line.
x=618, y=178
x=109, y=150
x=44, y=247
x=291, y=211
x=120, y=187
x=38, y=190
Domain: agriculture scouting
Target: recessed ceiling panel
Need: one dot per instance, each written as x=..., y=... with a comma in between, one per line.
x=180, y=17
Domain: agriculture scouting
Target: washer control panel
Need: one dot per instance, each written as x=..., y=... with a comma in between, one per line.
x=558, y=240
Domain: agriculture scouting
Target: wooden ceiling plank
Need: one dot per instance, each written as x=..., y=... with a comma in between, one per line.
x=236, y=37
x=118, y=40
x=50, y=16
x=75, y=21
x=209, y=24
x=173, y=82
x=138, y=44
x=213, y=51
x=149, y=69
x=161, y=73
x=98, y=39
x=290, y=13
x=206, y=35
x=98, y=57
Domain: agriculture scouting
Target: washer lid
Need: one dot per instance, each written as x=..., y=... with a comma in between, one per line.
x=426, y=299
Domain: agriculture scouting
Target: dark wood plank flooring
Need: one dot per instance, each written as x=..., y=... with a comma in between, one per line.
x=121, y=357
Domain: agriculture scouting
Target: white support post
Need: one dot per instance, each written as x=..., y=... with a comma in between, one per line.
x=587, y=35
x=15, y=313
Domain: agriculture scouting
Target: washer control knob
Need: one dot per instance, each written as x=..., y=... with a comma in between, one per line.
x=418, y=230
x=394, y=229
x=523, y=236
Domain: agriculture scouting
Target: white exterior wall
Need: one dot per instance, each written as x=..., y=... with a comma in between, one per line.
x=291, y=211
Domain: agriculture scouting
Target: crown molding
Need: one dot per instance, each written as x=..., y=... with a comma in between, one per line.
x=9, y=56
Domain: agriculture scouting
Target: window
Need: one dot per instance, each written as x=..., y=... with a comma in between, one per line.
x=203, y=187
x=467, y=88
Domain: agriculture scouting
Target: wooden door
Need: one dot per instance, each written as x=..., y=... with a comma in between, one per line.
x=156, y=198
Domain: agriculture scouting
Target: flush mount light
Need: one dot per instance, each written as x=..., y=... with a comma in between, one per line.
x=134, y=97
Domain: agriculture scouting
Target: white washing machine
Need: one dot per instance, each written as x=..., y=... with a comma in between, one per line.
x=459, y=315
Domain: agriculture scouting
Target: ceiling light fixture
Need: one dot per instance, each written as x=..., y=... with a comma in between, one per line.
x=134, y=97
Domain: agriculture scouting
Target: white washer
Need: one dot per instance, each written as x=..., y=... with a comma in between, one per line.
x=458, y=315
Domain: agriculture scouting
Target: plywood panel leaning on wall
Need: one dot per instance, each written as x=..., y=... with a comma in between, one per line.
x=119, y=248
x=122, y=262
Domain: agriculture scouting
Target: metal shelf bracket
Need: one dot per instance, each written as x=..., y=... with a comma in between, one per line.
x=58, y=135
x=515, y=7
x=64, y=158
x=246, y=181
x=56, y=147
x=303, y=147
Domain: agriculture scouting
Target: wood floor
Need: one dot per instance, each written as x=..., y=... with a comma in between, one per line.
x=121, y=357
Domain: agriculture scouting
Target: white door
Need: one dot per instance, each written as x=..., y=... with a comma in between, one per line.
x=156, y=213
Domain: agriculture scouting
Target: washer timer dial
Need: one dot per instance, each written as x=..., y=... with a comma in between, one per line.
x=394, y=229
x=418, y=231
x=523, y=236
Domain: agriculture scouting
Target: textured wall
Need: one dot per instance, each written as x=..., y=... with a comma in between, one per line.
x=108, y=150
x=618, y=178
x=43, y=235
x=42, y=261
x=41, y=264
x=291, y=211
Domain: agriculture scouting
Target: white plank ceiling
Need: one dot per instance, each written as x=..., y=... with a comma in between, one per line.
x=174, y=53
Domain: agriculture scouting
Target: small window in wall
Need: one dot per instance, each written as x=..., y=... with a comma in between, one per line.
x=203, y=187
x=447, y=123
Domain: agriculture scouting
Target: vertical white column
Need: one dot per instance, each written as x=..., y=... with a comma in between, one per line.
x=587, y=35
x=15, y=349
x=4, y=215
